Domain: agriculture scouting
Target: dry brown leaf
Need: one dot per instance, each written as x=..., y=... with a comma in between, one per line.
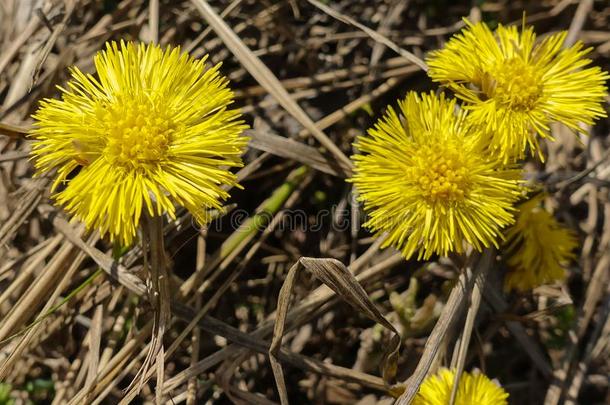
x=336, y=276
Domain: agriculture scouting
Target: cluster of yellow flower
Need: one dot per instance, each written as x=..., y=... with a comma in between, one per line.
x=153, y=130
x=451, y=175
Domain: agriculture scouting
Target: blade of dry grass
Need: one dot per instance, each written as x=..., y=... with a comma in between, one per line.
x=27, y=204
x=191, y=46
x=299, y=83
x=54, y=275
x=366, y=98
x=119, y=374
x=50, y=43
x=18, y=42
x=153, y=20
x=13, y=155
x=291, y=149
x=107, y=263
x=94, y=338
x=578, y=21
x=115, y=366
x=397, y=7
x=30, y=301
x=25, y=273
x=13, y=131
x=192, y=384
x=464, y=340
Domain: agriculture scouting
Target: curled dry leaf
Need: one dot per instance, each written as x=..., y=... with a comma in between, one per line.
x=337, y=277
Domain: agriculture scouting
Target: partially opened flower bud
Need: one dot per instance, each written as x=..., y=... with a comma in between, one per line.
x=538, y=247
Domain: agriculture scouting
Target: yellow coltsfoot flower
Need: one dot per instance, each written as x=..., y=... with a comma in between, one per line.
x=515, y=88
x=426, y=179
x=473, y=389
x=538, y=247
x=151, y=129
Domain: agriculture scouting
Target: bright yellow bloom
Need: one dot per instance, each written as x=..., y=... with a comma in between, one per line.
x=426, y=179
x=151, y=129
x=538, y=247
x=515, y=88
x=473, y=389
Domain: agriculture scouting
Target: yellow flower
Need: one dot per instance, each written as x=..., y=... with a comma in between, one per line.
x=538, y=247
x=515, y=88
x=473, y=389
x=151, y=129
x=425, y=178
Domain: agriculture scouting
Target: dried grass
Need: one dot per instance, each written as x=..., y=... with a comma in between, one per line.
x=235, y=319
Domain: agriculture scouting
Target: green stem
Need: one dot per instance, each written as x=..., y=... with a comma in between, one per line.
x=264, y=212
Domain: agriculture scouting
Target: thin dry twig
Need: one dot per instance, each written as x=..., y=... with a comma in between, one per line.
x=372, y=33
x=578, y=21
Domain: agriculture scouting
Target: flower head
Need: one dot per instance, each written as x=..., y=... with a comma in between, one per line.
x=473, y=389
x=516, y=87
x=425, y=178
x=538, y=247
x=150, y=130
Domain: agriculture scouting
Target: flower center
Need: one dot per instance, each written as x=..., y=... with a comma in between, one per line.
x=441, y=174
x=516, y=84
x=138, y=134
